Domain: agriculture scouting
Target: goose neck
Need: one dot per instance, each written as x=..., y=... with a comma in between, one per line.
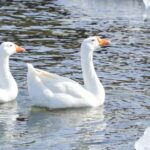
x=6, y=78
x=91, y=81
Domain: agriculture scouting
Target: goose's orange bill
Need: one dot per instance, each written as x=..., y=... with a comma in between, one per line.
x=103, y=42
x=19, y=49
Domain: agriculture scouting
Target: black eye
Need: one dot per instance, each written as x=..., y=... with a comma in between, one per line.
x=93, y=40
x=10, y=45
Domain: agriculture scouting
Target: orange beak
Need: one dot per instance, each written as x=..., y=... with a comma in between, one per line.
x=19, y=49
x=103, y=42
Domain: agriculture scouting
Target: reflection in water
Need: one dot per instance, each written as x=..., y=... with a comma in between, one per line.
x=106, y=9
x=57, y=127
x=52, y=31
x=8, y=115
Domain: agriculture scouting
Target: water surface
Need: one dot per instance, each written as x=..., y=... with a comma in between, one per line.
x=52, y=32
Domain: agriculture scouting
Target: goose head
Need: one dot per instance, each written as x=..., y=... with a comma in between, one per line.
x=93, y=43
x=9, y=48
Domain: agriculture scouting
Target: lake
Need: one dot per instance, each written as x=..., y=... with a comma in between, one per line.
x=51, y=31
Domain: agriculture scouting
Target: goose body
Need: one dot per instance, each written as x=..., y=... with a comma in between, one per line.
x=143, y=142
x=54, y=91
x=147, y=6
x=8, y=85
x=146, y=3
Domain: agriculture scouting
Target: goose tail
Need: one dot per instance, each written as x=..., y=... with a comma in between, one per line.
x=31, y=69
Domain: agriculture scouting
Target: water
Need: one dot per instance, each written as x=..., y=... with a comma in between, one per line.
x=52, y=31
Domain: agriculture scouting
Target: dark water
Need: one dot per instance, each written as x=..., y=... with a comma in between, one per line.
x=51, y=31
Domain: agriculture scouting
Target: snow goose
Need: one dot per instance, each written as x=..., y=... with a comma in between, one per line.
x=8, y=85
x=54, y=91
x=147, y=6
x=144, y=142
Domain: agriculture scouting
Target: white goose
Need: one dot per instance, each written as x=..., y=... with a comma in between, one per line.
x=8, y=85
x=146, y=3
x=144, y=142
x=147, y=6
x=53, y=91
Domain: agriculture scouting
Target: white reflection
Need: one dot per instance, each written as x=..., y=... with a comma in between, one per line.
x=105, y=8
x=74, y=125
x=8, y=115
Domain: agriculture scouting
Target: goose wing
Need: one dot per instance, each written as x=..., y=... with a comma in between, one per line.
x=58, y=84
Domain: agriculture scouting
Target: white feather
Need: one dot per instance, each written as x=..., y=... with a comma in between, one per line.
x=54, y=91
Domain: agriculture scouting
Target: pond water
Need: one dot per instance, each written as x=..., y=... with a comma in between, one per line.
x=52, y=31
